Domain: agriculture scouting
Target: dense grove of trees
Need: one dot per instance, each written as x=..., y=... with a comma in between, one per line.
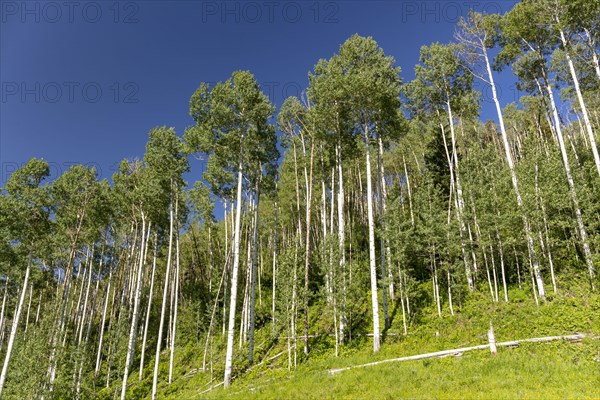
x=388, y=194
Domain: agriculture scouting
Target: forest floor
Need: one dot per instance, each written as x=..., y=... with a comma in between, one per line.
x=557, y=369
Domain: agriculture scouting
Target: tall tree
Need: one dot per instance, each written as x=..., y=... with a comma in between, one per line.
x=477, y=34
x=371, y=87
x=232, y=128
x=25, y=210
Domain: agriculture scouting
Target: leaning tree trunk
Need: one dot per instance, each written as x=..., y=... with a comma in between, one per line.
x=509, y=159
x=584, y=112
x=580, y=225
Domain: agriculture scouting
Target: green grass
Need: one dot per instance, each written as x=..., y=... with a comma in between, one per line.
x=531, y=371
x=541, y=371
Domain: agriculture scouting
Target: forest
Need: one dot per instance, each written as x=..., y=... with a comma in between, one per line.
x=344, y=217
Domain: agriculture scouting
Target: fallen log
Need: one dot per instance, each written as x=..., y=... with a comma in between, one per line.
x=572, y=338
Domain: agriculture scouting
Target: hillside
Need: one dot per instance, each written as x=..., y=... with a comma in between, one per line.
x=554, y=370
x=369, y=217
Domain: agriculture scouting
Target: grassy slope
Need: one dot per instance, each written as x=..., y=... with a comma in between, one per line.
x=553, y=370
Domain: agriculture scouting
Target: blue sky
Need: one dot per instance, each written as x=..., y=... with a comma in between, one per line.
x=84, y=81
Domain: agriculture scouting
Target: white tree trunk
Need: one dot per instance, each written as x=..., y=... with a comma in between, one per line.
x=592, y=46
x=2, y=312
x=382, y=247
x=28, y=307
x=372, y=260
x=148, y=308
x=584, y=112
x=580, y=225
x=97, y=369
x=502, y=266
x=388, y=251
x=214, y=312
x=341, y=237
x=85, y=300
x=15, y=324
x=412, y=216
x=252, y=304
x=164, y=299
x=515, y=183
x=276, y=228
x=176, y=295
x=234, y=280
x=136, y=306
x=458, y=207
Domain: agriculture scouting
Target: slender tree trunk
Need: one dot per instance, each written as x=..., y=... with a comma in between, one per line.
x=253, y=275
x=149, y=307
x=388, y=251
x=214, y=312
x=134, y=319
x=2, y=312
x=234, y=279
x=412, y=216
x=275, y=230
x=592, y=46
x=382, y=257
x=515, y=183
x=176, y=295
x=341, y=237
x=99, y=353
x=584, y=112
x=543, y=210
x=458, y=206
x=582, y=231
x=308, y=177
x=15, y=325
x=164, y=299
x=502, y=269
x=28, y=307
x=372, y=261
x=494, y=270
x=450, y=293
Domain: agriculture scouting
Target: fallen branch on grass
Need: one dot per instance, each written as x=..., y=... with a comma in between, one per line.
x=572, y=338
x=211, y=388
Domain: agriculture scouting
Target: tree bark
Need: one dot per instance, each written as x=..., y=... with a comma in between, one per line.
x=252, y=304
x=372, y=260
x=580, y=225
x=234, y=279
x=164, y=299
x=15, y=324
x=149, y=307
x=515, y=183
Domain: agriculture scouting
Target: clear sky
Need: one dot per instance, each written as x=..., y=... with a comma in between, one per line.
x=84, y=81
